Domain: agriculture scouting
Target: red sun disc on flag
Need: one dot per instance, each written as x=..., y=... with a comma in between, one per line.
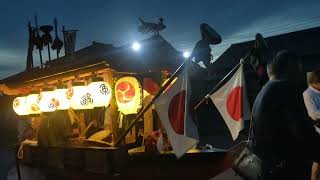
x=176, y=112
x=234, y=103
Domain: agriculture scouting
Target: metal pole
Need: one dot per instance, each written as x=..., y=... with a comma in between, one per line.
x=57, y=54
x=64, y=39
x=40, y=55
x=37, y=28
x=29, y=64
x=49, y=52
x=56, y=33
x=143, y=110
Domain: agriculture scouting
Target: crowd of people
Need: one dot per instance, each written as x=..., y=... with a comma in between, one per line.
x=285, y=119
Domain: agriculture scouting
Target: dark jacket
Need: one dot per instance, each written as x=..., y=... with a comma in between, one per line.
x=283, y=135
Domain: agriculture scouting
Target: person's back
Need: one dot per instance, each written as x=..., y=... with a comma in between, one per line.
x=282, y=135
x=270, y=126
x=275, y=141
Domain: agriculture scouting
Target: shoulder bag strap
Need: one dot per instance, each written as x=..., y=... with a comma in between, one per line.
x=251, y=126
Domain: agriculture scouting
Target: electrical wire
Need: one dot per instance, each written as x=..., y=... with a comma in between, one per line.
x=270, y=31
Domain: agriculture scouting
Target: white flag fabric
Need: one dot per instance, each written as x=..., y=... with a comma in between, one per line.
x=172, y=107
x=160, y=144
x=232, y=103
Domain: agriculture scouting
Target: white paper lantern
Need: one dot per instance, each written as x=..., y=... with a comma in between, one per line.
x=47, y=101
x=19, y=105
x=32, y=104
x=101, y=92
x=61, y=95
x=80, y=97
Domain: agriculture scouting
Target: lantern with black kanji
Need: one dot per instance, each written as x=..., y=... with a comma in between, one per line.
x=100, y=91
x=80, y=97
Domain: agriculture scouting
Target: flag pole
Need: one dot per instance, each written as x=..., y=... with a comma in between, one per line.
x=64, y=39
x=143, y=110
x=218, y=85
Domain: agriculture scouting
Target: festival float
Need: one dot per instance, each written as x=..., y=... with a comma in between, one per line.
x=93, y=111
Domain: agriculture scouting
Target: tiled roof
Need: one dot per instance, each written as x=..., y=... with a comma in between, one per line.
x=303, y=43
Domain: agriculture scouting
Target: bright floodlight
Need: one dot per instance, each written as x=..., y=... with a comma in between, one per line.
x=186, y=54
x=136, y=46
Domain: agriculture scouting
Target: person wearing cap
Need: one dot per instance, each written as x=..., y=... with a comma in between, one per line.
x=311, y=98
x=283, y=137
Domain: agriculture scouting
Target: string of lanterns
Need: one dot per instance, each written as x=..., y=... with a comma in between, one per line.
x=98, y=93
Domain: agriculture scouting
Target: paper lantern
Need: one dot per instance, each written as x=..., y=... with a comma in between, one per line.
x=128, y=94
x=32, y=104
x=80, y=97
x=47, y=101
x=100, y=91
x=61, y=95
x=19, y=106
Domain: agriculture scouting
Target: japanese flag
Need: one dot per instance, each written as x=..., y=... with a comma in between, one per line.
x=172, y=107
x=231, y=101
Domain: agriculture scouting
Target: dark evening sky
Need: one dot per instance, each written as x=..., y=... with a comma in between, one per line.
x=116, y=21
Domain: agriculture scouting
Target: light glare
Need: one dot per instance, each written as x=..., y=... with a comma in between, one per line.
x=186, y=54
x=136, y=46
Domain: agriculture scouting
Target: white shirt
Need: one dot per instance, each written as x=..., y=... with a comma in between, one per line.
x=311, y=98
